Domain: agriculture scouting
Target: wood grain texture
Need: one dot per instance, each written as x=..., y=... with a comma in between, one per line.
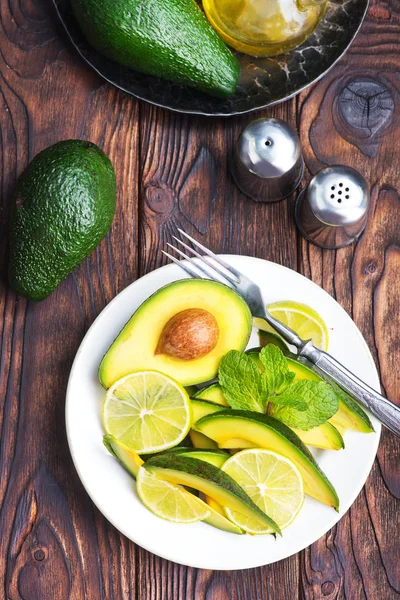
x=173, y=171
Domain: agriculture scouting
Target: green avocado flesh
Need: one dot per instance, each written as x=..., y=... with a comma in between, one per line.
x=266, y=337
x=136, y=347
x=212, y=456
x=209, y=480
x=63, y=206
x=171, y=39
x=128, y=458
x=266, y=432
x=212, y=393
x=202, y=408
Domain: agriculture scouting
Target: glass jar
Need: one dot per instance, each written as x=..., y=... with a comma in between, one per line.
x=264, y=27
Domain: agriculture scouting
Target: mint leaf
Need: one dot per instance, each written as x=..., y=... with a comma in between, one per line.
x=290, y=401
x=276, y=369
x=321, y=400
x=240, y=380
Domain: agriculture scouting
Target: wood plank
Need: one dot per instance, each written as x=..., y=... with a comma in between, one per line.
x=349, y=119
x=54, y=544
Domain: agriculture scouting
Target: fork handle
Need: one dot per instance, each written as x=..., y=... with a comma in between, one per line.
x=387, y=412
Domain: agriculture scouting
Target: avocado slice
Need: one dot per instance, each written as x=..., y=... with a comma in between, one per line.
x=212, y=393
x=137, y=346
x=127, y=457
x=201, y=408
x=350, y=415
x=238, y=444
x=191, y=390
x=218, y=518
x=267, y=432
x=212, y=459
x=201, y=441
x=212, y=456
x=266, y=337
x=209, y=480
x=171, y=39
x=324, y=436
x=64, y=204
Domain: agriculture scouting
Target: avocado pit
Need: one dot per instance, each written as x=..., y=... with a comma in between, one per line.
x=190, y=334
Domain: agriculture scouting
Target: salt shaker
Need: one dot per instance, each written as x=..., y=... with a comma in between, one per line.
x=268, y=162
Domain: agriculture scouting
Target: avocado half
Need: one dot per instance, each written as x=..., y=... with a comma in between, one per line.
x=137, y=346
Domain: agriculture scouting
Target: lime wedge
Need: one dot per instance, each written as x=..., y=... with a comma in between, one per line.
x=303, y=319
x=147, y=411
x=168, y=501
x=272, y=482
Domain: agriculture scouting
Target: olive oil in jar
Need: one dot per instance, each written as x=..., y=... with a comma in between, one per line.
x=264, y=27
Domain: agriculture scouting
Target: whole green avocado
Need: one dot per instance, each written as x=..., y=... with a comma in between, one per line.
x=171, y=39
x=63, y=206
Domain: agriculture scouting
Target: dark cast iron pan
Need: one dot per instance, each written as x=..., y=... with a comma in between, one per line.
x=263, y=81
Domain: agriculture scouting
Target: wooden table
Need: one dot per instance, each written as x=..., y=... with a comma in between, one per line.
x=173, y=171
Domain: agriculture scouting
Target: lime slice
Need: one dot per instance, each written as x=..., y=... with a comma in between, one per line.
x=303, y=319
x=168, y=501
x=147, y=411
x=272, y=482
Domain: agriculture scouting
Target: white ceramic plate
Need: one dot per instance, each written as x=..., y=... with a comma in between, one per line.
x=198, y=544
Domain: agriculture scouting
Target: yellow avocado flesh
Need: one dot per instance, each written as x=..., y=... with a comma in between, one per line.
x=346, y=418
x=325, y=436
x=127, y=457
x=222, y=427
x=213, y=393
x=200, y=440
x=218, y=519
x=236, y=444
x=135, y=347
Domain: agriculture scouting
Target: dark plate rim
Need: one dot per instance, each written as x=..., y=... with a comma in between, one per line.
x=200, y=112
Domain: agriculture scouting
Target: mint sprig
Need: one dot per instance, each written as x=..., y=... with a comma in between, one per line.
x=276, y=369
x=240, y=380
x=320, y=399
x=269, y=385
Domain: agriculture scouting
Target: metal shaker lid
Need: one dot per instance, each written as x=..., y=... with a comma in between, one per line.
x=332, y=210
x=338, y=195
x=269, y=148
x=268, y=162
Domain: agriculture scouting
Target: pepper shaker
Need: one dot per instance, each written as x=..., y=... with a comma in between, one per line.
x=332, y=211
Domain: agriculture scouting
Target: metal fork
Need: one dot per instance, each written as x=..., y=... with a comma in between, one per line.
x=214, y=267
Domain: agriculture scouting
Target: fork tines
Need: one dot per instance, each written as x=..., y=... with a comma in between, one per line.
x=198, y=266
